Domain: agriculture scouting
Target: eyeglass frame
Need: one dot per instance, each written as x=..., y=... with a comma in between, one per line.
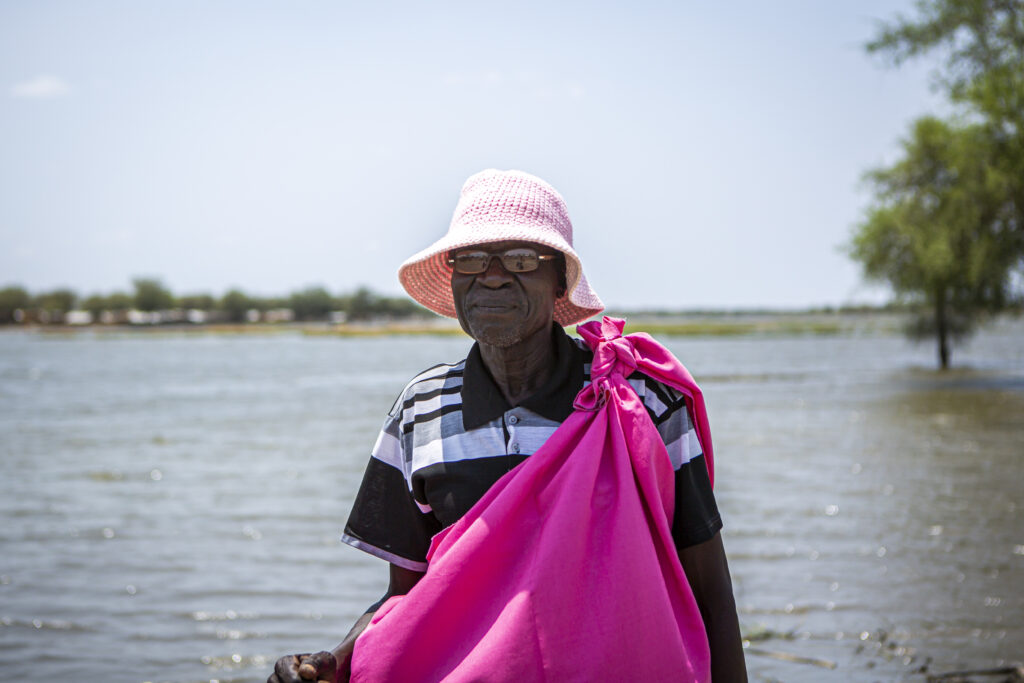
x=491, y=255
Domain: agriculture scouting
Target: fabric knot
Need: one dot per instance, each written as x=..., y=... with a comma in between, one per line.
x=613, y=353
x=593, y=396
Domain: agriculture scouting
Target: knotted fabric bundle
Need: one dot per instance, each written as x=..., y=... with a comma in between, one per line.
x=565, y=570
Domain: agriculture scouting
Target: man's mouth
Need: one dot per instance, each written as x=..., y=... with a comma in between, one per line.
x=492, y=303
x=492, y=306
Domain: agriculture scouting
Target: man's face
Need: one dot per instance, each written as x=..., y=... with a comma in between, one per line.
x=500, y=308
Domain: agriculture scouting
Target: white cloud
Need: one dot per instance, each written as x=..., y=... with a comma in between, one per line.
x=41, y=87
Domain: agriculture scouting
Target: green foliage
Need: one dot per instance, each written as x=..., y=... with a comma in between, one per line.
x=119, y=301
x=937, y=218
x=938, y=229
x=95, y=304
x=362, y=305
x=983, y=45
x=200, y=302
x=151, y=295
x=270, y=302
x=312, y=303
x=401, y=307
x=236, y=305
x=983, y=42
x=12, y=299
x=365, y=305
x=58, y=301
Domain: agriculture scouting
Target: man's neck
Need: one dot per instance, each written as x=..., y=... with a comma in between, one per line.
x=523, y=368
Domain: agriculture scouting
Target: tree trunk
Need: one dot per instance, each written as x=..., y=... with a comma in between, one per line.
x=942, y=328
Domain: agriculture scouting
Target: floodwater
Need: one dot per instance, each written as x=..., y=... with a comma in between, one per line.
x=171, y=503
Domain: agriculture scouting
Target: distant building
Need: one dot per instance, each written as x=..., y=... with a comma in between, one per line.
x=136, y=317
x=78, y=318
x=119, y=317
x=279, y=315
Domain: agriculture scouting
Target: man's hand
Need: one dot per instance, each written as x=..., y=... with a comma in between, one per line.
x=336, y=666
x=320, y=667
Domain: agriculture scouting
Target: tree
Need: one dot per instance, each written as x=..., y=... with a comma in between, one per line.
x=236, y=305
x=947, y=224
x=362, y=305
x=984, y=45
x=119, y=301
x=312, y=303
x=53, y=305
x=95, y=304
x=983, y=42
x=201, y=302
x=935, y=234
x=12, y=299
x=150, y=295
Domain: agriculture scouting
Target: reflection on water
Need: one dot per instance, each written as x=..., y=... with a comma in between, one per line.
x=171, y=505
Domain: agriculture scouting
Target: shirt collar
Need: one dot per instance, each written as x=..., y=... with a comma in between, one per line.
x=483, y=402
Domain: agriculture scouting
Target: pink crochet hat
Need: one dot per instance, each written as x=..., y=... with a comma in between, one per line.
x=497, y=206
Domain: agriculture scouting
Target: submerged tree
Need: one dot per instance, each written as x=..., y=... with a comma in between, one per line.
x=947, y=225
x=936, y=232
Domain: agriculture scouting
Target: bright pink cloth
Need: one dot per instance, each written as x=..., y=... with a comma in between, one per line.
x=565, y=570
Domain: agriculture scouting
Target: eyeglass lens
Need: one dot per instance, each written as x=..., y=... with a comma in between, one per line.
x=514, y=260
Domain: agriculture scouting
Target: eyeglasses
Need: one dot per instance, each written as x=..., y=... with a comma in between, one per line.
x=518, y=260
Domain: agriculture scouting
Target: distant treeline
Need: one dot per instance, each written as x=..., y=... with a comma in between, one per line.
x=151, y=302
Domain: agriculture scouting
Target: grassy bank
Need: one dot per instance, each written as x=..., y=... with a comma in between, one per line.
x=658, y=325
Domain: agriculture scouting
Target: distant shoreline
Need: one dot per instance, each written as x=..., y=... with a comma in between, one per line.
x=705, y=324
x=690, y=325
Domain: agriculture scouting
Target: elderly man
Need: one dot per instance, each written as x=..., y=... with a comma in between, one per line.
x=507, y=270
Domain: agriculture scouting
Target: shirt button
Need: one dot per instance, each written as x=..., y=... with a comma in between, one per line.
x=512, y=419
x=515, y=448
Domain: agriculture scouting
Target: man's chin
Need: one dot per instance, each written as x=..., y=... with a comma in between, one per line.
x=499, y=337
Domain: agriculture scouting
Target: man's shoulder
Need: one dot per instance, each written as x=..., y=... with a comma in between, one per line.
x=435, y=380
x=439, y=371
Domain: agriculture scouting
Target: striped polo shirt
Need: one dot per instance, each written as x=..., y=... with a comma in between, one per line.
x=451, y=435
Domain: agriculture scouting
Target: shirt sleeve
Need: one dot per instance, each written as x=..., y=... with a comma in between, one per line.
x=695, y=518
x=385, y=520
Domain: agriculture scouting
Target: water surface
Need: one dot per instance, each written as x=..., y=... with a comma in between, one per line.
x=171, y=504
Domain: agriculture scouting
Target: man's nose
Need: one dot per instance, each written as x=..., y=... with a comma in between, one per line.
x=495, y=276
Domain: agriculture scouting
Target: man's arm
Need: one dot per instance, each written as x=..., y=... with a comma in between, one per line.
x=708, y=573
x=401, y=582
x=336, y=666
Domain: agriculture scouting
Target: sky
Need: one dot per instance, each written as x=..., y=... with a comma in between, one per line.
x=711, y=154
